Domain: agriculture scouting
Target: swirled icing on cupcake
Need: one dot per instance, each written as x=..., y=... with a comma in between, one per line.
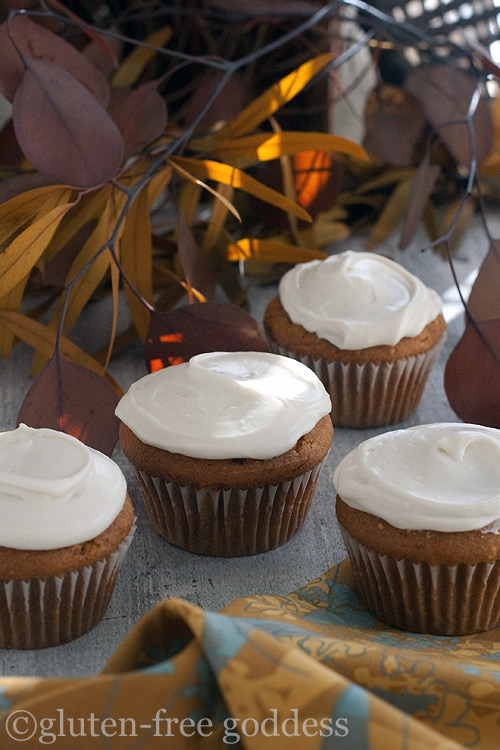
x=437, y=477
x=54, y=490
x=226, y=405
x=356, y=299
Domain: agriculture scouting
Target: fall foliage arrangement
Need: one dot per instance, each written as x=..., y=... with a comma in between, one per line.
x=153, y=150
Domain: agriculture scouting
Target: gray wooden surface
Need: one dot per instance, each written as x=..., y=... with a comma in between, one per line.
x=153, y=569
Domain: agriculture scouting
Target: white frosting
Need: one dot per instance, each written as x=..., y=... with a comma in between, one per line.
x=54, y=490
x=355, y=300
x=226, y=405
x=440, y=477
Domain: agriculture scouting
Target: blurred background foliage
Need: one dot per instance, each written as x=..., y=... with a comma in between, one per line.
x=153, y=148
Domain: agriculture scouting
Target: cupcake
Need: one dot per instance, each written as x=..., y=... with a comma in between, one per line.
x=227, y=449
x=369, y=329
x=419, y=511
x=67, y=523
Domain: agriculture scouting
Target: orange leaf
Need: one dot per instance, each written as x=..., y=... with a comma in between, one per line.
x=266, y=146
x=271, y=251
x=275, y=97
x=214, y=170
x=43, y=339
x=136, y=258
x=22, y=254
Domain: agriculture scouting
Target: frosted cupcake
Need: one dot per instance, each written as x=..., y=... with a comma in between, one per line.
x=368, y=328
x=227, y=449
x=66, y=524
x=419, y=511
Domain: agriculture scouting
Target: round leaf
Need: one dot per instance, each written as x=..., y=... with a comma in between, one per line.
x=63, y=130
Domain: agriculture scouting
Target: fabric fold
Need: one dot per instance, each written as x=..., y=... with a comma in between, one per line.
x=311, y=670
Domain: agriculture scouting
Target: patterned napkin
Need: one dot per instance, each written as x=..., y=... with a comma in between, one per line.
x=300, y=672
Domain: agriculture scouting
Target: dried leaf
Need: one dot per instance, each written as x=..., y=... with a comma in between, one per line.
x=22, y=183
x=134, y=64
x=136, y=257
x=69, y=398
x=195, y=195
x=266, y=146
x=193, y=261
x=12, y=302
x=10, y=152
x=275, y=97
x=228, y=175
x=179, y=334
x=422, y=186
x=317, y=181
x=484, y=301
x=394, y=123
x=22, y=254
x=16, y=212
x=56, y=120
x=271, y=251
x=446, y=92
x=227, y=104
x=39, y=43
x=141, y=116
x=392, y=213
x=217, y=218
x=472, y=374
x=490, y=166
x=43, y=340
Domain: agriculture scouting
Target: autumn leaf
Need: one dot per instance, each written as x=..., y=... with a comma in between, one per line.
x=56, y=120
x=141, y=115
x=36, y=42
x=136, y=258
x=193, y=261
x=392, y=213
x=69, y=398
x=472, y=374
x=43, y=340
x=266, y=146
x=422, y=186
x=228, y=175
x=446, y=92
x=275, y=97
x=179, y=334
x=133, y=65
x=22, y=254
x=271, y=251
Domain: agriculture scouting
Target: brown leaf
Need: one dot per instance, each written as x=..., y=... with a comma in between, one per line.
x=484, y=302
x=422, y=186
x=10, y=153
x=445, y=93
x=37, y=42
x=63, y=130
x=228, y=103
x=193, y=261
x=177, y=335
x=472, y=374
x=69, y=398
x=141, y=115
x=394, y=124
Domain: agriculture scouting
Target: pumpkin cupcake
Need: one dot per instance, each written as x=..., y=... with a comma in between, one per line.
x=419, y=510
x=67, y=523
x=368, y=328
x=227, y=449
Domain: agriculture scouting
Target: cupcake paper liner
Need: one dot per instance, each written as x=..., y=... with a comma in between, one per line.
x=371, y=395
x=227, y=522
x=422, y=598
x=43, y=612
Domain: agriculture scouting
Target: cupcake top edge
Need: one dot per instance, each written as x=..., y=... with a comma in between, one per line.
x=226, y=405
x=54, y=490
x=356, y=300
x=436, y=477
